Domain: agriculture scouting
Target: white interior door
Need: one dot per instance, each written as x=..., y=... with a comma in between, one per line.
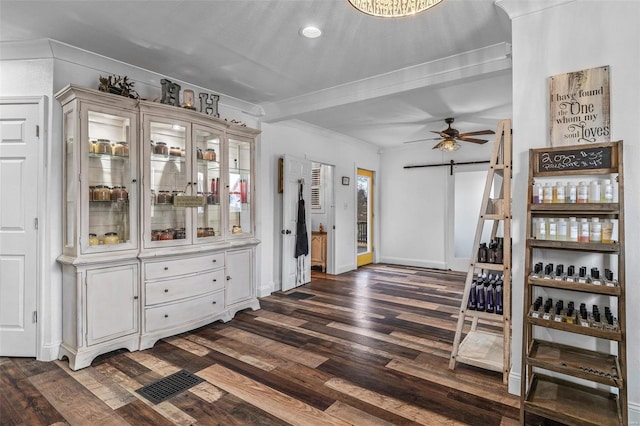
x=465, y=199
x=18, y=233
x=294, y=170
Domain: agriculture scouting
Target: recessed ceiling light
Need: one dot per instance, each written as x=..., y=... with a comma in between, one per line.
x=311, y=32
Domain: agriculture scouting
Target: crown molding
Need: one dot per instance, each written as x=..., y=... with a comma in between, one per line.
x=471, y=64
x=517, y=8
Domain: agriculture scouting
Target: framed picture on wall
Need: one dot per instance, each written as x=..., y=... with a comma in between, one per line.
x=579, y=107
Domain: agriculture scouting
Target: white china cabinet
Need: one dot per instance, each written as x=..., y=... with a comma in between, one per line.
x=197, y=216
x=100, y=225
x=159, y=222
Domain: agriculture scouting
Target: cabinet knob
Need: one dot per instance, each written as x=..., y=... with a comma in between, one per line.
x=134, y=180
x=135, y=297
x=166, y=315
x=214, y=302
x=166, y=268
x=166, y=290
x=228, y=278
x=214, y=260
x=215, y=280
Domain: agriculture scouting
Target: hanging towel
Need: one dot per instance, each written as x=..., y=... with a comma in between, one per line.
x=302, y=240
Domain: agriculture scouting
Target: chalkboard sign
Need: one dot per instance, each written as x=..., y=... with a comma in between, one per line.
x=575, y=159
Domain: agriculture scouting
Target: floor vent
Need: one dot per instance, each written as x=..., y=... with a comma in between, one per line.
x=299, y=296
x=170, y=386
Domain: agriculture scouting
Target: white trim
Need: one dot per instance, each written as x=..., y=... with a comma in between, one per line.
x=634, y=413
x=518, y=8
x=514, y=383
x=420, y=263
x=345, y=268
x=483, y=61
x=266, y=290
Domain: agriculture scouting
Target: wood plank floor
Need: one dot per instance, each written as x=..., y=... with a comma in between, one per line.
x=369, y=347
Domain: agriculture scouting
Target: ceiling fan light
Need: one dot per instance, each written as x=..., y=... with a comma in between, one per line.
x=393, y=8
x=449, y=145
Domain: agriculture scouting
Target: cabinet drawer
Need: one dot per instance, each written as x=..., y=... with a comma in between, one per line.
x=174, y=314
x=184, y=287
x=173, y=267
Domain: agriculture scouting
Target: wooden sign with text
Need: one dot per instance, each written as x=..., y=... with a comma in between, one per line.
x=577, y=159
x=579, y=107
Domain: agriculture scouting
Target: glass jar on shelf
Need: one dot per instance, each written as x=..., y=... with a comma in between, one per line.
x=111, y=238
x=164, y=197
x=93, y=240
x=161, y=148
x=210, y=154
x=119, y=193
x=101, y=193
x=121, y=149
x=103, y=146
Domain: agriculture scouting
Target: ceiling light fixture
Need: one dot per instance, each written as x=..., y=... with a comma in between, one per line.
x=311, y=32
x=449, y=145
x=393, y=8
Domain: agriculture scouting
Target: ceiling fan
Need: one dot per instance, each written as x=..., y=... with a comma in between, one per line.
x=450, y=136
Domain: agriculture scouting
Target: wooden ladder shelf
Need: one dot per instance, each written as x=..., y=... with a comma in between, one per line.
x=488, y=349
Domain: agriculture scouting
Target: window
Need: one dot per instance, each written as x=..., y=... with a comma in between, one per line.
x=317, y=188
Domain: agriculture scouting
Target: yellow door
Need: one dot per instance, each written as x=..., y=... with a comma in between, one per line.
x=364, y=232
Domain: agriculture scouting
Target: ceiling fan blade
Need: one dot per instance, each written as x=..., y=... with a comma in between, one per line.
x=438, y=145
x=465, y=139
x=479, y=132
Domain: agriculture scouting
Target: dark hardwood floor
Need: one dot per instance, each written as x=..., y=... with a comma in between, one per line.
x=369, y=347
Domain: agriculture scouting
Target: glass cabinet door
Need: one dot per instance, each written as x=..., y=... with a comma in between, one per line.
x=168, y=177
x=71, y=194
x=207, y=181
x=109, y=163
x=240, y=187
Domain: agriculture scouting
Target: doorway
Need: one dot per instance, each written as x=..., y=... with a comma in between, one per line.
x=364, y=225
x=317, y=183
x=322, y=217
x=466, y=187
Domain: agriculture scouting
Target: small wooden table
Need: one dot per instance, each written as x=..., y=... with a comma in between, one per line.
x=319, y=250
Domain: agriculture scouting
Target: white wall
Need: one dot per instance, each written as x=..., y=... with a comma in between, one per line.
x=569, y=37
x=416, y=203
x=315, y=144
x=35, y=78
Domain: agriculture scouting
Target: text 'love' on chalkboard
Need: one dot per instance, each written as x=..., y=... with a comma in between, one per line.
x=575, y=159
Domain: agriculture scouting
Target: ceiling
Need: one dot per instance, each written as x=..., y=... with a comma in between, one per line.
x=384, y=81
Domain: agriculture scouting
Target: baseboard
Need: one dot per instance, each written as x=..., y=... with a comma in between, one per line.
x=266, y=290
x=514, y=383
x=345, y=268
x=49, y=352
x=634, y=414
x=414, y=262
